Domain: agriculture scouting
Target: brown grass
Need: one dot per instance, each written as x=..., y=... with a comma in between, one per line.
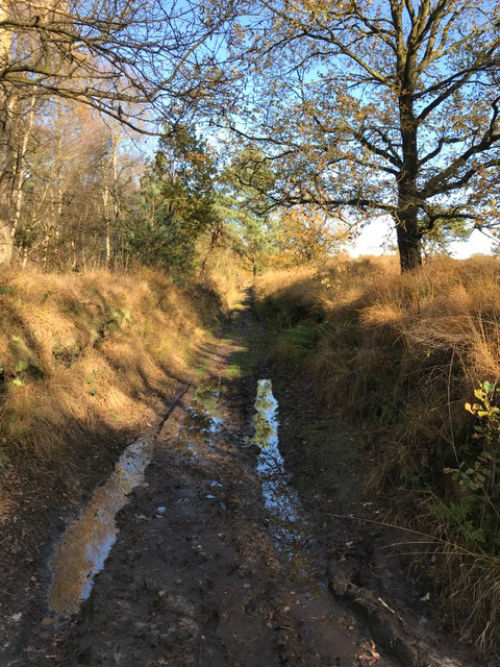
x=86, y=362
x=403, y=354
x=225, y=274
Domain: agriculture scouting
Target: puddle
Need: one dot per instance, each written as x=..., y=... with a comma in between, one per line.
x=205, y=405
x=287, y=523
x=85, y=545
x=203, y=420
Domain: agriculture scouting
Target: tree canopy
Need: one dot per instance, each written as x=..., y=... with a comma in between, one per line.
x=148, y=65
x=177, y=203
x=136, y=61
x=383, y=107
x=343, y=109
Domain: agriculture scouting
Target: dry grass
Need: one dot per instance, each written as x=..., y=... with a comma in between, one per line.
x=85, y=361
x=225, y=274
x=403, y=354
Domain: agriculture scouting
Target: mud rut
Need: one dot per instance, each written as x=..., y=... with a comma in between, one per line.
x=195, y=578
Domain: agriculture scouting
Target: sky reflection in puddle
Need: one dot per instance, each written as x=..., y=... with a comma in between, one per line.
x=288, y=526
x=87, y=541
x=203, y=420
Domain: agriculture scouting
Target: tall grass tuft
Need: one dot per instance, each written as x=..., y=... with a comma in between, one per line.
x=405, y=354
x=86, y=361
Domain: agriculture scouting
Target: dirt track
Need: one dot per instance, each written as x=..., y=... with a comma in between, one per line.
x=195, y=579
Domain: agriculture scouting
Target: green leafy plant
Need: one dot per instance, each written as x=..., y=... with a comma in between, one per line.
x=478, y=478
x=46, y=295
x=486, y=394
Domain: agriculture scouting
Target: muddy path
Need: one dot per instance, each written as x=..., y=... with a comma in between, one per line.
x=216, y=563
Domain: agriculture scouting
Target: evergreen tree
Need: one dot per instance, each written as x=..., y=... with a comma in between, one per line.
x=178, y=203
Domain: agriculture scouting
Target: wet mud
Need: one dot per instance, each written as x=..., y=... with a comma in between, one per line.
x=86, y=543
x=209, y=556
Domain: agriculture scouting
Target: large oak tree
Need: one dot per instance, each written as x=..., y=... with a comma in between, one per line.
x=375, y=107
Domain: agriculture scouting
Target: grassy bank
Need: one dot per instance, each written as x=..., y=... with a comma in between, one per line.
x=415, y=359
x=86, y=363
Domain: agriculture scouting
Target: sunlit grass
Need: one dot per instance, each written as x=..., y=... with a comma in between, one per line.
x=402, y=354
x=89, y=357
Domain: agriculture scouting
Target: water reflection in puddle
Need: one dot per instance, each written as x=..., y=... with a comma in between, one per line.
x=205, y=405
x=203, y=420
x=85, y=545
x=291, y=534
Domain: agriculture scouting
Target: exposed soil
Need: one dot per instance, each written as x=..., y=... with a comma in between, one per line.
x=367, y=560
x=43, y=509
x=194, y=577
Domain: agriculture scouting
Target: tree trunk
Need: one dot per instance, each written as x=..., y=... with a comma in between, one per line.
x=408, y=241
x=107, y=222
x=6, y=244
x=406, y=219
x=18, y=192
x=114, y=192
x=406, y=216
x=7, y=168
x=6, y=151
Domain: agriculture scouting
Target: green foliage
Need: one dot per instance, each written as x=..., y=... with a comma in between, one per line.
x=459, y=517
x=295, y=343
x=477, y=477
x=177, y=204
x=46, y=295
x=305, y=334
x=442, y=232
x=243, y=205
